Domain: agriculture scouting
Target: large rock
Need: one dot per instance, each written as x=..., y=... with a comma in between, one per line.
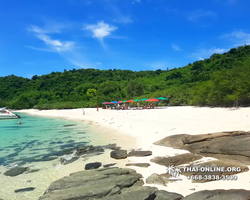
x=28, y=189
x=104, y=184
x=118, y=154
x=155, y=179
x=176, y=160
x=16, y=171
x=219, y=195
x=174, y=141
x=233, y=146
x=138, y=164
x=94, y=165
x=89, y=150
x=139, y=153
x=112, y=147
x=164, y=195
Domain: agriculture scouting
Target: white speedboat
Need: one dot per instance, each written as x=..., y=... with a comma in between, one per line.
x=6, y=114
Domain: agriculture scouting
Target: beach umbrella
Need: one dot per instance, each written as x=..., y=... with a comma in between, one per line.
x=124, y=101
x=162, y=98
x=130, y=101
x=136, y=100
x=152, y=100
x=144, y=99
x=119, y=102
x=107, y=103
x=104, y=102
x=115, y=102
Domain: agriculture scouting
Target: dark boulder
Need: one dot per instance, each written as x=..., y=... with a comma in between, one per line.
x=89, y=150
x=16, y=171
x=25, y=189
x=94, y=165
x=118, y=154
x=139, y=153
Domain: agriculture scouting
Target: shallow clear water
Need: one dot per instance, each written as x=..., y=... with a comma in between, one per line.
x=39, y=139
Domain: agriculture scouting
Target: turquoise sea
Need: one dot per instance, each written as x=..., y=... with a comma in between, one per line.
x=39, y=139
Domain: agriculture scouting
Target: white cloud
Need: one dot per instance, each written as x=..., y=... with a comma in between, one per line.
x=198, y=14
x=176, y=47
x=206, y=53
x=239, y=38
x=66, y=49
x=100, y=31
x=99, y=63
x=54, y=45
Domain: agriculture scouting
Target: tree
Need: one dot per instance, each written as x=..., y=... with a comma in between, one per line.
x=91, y=93
x=135, y=88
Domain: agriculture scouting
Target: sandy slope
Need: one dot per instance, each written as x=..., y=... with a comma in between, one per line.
x=140, y=128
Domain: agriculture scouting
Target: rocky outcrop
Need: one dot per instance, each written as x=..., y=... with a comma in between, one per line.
x=94, y=165
x=219, y=195
x=176, y=160
x=15, y=171
x=155, y=179
x=112, y=147
x=139, y=153
x=228, y=146
x=89, y=150
x=25, y=189
x=138, y=164
x=116, y=183
x=118, y=154
x=105, y=184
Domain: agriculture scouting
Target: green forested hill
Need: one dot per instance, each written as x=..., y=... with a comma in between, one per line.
x=222, y=80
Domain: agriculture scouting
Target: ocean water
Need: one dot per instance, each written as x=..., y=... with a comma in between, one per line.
x=39, y=139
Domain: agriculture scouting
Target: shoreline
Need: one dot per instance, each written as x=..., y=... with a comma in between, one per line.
x=139, y=129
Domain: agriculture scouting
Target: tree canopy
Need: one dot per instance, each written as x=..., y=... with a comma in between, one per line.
x=221, y=80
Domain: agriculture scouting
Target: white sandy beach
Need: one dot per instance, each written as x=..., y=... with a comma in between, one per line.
x=139, y=129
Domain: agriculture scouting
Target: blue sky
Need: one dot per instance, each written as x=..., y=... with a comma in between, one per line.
x=41, y=36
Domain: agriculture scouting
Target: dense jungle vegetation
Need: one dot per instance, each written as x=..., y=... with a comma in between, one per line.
x=221, y=80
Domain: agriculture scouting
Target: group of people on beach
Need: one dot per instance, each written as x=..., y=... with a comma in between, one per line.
x=125, y=107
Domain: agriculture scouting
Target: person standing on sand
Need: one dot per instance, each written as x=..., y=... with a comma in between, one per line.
x=97, y=108
x=83, y=111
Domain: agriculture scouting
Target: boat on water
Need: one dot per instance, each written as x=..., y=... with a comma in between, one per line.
x=7, y=114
